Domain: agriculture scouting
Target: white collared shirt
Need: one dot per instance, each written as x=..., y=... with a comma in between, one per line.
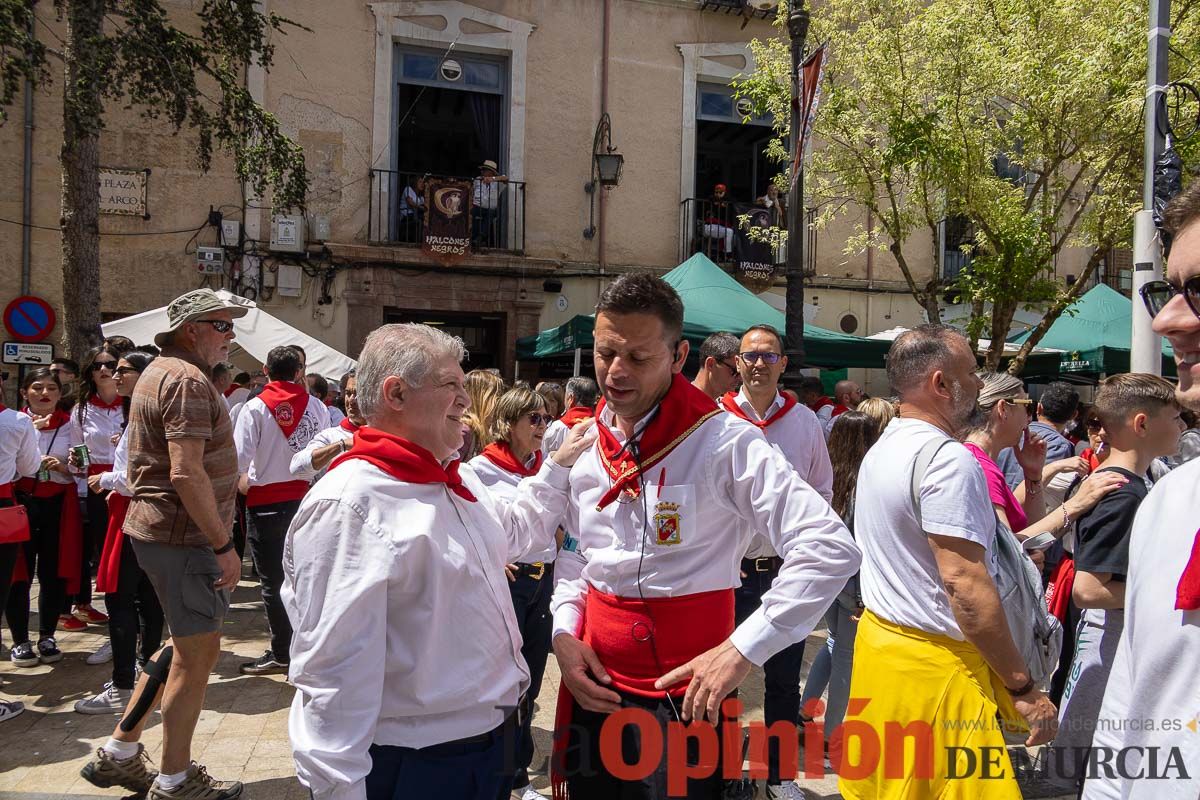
x=19, y=453
x=404, y=630
x=503, y=484
x=720, y=483
x=556, y=434
x=263, y=452
x=302, y=463
x=58, y=443
x=96, y=429
x=798, y=437
x=117, y=480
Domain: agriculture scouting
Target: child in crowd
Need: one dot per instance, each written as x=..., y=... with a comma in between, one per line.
x=1141, y=421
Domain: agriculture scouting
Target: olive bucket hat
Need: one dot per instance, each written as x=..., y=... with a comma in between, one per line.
x=192, y=306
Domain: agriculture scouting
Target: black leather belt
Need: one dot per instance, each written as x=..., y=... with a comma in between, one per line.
x=535, y=570
x=764, y=564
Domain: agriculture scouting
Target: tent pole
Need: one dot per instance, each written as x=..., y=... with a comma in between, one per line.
x=578, y=359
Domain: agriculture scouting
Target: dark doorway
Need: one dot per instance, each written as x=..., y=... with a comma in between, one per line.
x=483, y=334
x=447, y=131
x=733, y=154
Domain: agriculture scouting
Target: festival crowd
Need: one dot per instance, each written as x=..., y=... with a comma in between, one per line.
x=995, y=571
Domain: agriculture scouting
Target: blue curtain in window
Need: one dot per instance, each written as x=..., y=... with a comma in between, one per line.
x=486, y=110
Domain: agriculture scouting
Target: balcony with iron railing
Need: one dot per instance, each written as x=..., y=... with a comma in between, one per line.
x=711, y=228
x=396, y=211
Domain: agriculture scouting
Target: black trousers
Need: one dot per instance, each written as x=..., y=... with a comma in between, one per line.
x=531, y=601
x=464, y=770
x=589, y=778
x=781, y=672
x=133, y=607
x=8, y=560
x=41, y=559
x=95, y=528
x=268, y=527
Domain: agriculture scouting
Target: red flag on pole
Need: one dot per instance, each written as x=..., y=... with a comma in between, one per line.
x=810, y=97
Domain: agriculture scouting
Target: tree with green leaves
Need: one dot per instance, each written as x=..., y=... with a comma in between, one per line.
x=1020, y=118
x=131, y=53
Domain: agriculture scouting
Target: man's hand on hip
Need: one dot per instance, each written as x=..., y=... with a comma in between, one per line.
x=584, y=675
x=714, y=675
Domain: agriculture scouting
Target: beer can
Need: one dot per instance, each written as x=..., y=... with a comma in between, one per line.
x=81, y=456
x=43, y=475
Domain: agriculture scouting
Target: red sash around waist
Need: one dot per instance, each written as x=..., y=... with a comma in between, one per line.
x=96, y=469
x=70, y=532
x=109, y=571
x=6, y=491
x=620, y=630
x=281, y=492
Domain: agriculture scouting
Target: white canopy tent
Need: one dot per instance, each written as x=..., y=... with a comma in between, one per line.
x=1010, y=349
x=256, y=333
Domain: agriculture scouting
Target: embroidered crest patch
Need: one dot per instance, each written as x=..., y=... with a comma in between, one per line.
x=667, y=525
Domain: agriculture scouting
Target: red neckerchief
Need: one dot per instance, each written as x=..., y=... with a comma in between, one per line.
x=98, y=403
x=575, y=415
x=58, y=418
x=1187, y=594
x=403, y=460
x=233, y=387
x=500, y=454
x=346, y=424
x=286, y=401
x=729, y=403
x=681, y=412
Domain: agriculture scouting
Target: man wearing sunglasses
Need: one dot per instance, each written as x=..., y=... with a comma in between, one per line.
x=1154, y=672
x=718, y=374
x=183, y=475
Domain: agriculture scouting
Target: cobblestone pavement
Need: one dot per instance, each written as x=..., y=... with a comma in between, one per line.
x=242, y=733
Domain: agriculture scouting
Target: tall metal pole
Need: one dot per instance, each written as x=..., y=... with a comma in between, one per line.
x=797, y=24
x=1145, y=349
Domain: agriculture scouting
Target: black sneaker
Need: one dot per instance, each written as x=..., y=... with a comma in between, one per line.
x=23, y=655
x=266, y=664
x=48, y=651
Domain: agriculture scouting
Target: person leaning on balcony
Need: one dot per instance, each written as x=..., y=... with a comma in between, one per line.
x=718, y=219
x=485, y=199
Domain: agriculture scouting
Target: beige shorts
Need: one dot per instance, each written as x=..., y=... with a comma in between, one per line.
x=183, y=579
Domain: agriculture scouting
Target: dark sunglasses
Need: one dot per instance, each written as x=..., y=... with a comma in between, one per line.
x=1093, y=424
x=1156, y=295
x=219, y=325
x=98, y=365
x=127, y=370
x=767, y=358
x=731, y=367
x=540, y=419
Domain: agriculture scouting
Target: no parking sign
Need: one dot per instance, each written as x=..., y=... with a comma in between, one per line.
x=29, y=319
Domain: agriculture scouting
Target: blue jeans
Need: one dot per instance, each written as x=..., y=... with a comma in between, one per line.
x=833, y=665
x=531, y=602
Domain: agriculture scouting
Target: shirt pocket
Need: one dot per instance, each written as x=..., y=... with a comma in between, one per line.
x=672, y=517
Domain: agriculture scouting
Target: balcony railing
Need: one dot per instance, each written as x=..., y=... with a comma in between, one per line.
x=396, y=211
x=711, y=228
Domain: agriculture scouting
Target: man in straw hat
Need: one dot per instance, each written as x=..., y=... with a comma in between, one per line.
x=183, y=472
x=485, y=199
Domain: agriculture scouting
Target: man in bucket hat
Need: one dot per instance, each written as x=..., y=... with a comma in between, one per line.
x=485, y=205
x=183, y=472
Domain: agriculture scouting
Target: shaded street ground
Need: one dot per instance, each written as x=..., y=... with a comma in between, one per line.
x=242, y=734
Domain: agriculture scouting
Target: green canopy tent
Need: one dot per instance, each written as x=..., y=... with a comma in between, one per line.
x=1094, y=333
x=713, y=301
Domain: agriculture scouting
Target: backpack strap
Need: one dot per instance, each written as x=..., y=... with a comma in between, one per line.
x=924, y=458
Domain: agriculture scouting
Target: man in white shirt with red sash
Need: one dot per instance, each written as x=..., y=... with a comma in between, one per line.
x=795, y=432
x=271, y=429
x=310, y=463
x=581, y=396
x=407, y=656
x=663, y=506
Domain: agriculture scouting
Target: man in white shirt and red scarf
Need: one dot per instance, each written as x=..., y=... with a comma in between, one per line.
x=795, y=432
x=664, y=506
x=271, y=429
x=407, y=657
x=581, y=396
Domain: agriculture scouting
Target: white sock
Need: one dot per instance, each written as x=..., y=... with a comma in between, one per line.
x=120, y=750
x=171, y=781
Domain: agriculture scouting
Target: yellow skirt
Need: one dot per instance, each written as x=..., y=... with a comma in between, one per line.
x=929, y=725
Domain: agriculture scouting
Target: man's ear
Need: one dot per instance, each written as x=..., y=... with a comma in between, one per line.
x=681, y=353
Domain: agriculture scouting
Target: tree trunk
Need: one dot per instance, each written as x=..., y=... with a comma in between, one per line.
x=81, y=180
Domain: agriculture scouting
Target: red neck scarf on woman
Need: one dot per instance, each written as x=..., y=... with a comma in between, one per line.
x=346, y=424
x=403, y=460
x=286, y=401
x=729, y=403
x=576, y=414
x=501, y=454
x=681, y=412
x=98, y=403
x=1187, y=595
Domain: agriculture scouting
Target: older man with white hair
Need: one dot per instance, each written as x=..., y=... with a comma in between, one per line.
x=406, y=654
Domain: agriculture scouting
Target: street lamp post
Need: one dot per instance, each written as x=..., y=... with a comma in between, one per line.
x=797, y=25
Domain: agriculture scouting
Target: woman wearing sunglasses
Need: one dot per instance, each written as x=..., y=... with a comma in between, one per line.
x=52, y=552
x=99, y=416
x=521, y=419
x=128, y=595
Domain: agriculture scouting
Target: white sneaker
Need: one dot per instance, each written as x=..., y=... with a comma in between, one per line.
x=111, y=700
x=10, y=709
x=103, y=655
x=527, y=792
x=786, y=791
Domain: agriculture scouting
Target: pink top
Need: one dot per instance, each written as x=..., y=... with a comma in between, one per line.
x=998, y=490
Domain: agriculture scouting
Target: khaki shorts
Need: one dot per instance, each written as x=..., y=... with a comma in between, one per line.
x=183, y=579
